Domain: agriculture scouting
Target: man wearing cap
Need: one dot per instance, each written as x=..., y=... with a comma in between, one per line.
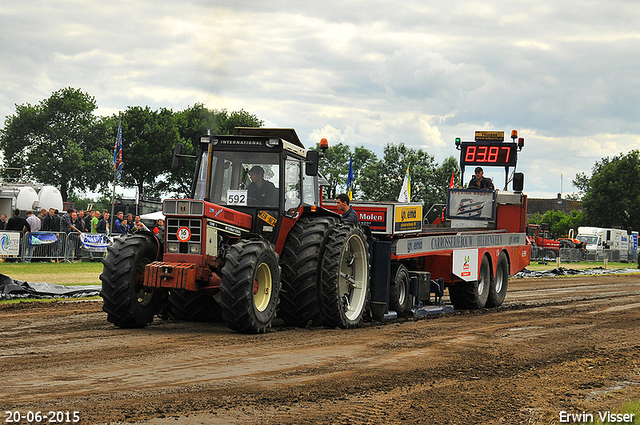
x=260, y=190
x=480, y=182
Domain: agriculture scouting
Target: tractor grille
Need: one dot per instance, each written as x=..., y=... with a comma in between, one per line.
x=183, y=242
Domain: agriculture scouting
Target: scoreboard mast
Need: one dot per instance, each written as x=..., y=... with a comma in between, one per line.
x=489, y=149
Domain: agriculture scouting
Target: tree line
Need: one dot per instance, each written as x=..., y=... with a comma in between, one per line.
x=377, y=179
x=610, y=197
x=62, y=142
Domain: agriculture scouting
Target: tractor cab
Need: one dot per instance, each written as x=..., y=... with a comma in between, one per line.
x=266, y=173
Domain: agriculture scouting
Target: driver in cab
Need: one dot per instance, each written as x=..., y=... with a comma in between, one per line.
x=260, y=190
x=479, y=182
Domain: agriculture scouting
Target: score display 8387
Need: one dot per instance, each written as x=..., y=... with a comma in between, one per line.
x=489, y=154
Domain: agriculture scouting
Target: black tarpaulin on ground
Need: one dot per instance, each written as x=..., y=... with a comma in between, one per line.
x=11, y=289
x=563, y=272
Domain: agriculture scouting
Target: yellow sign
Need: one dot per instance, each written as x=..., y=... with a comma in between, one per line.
x=267, y=218
x=490, y=135
x=407, y=218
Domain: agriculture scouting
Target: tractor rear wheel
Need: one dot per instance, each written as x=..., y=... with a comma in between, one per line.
x=300, y=260
x=250, y=286
x=344, y=282
x=498, y=288
x=474, y=294
x=190, y=306
x=127, y=303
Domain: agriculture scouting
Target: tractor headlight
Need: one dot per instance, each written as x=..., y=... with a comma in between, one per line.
x=194, y=249
x=172, y=247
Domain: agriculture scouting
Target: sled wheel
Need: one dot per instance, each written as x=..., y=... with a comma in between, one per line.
x=474, y=294
x=344, y=283
x=400, y=299
x=300, y=262
x=250, y=286
x=498, y=288
x=127, y=303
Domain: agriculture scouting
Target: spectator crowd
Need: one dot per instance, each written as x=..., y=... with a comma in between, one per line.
x=73, y=223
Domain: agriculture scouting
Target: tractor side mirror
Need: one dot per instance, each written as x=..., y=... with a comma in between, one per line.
x=313, y=157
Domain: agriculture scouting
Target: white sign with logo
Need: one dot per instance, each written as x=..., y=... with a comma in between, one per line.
x=465, y=264
x=9, y=243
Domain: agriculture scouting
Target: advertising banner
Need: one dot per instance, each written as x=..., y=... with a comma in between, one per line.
x=9, y=243
x=471, y=204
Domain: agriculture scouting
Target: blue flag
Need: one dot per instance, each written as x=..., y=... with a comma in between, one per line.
x=117, y=152
x=350, y=180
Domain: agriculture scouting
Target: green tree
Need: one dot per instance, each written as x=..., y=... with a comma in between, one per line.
x=59, y=142
x=148, y=139
x=228, y=121
x=192, y=123
x=612, y=193
x=334, y=167
x=559, y=222
x=363, y=158
x=382, y=180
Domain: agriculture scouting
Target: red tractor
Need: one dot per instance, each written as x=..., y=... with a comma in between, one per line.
x=538, y=236
x=253, y=240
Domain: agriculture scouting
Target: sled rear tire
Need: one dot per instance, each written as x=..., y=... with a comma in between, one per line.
x=474, y=294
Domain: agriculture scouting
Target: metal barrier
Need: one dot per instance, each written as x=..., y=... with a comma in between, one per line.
x=53, y=246
x=44, y=246
x=565, y=254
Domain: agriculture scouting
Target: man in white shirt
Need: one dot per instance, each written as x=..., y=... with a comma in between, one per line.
x=34, y=224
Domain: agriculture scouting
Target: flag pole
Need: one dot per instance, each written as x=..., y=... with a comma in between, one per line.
x=115, y=169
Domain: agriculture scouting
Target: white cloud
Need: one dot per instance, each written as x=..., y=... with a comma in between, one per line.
x=360, y=72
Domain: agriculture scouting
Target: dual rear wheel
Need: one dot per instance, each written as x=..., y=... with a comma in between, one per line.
x=487, y=291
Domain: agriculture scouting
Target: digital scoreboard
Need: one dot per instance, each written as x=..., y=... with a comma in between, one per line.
x=488, y=149
x=489, y=154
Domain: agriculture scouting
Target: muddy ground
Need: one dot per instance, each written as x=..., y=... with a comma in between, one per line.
x=557, y=344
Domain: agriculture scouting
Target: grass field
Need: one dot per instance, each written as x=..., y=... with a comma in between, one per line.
x=89, y=273
x=58, y=273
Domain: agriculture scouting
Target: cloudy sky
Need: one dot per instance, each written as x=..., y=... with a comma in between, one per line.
x=566, y=74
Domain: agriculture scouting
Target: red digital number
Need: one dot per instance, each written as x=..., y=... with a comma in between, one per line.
x=506, y=159
x=496, y=154
x=470, y=156
x=493, y=154
x=482, y=154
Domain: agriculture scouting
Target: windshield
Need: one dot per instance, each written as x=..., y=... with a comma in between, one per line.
x=589, y=240
x=242, y=178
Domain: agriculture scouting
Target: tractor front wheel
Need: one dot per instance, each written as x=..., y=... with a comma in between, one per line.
x=127, y=303
x=250, y=286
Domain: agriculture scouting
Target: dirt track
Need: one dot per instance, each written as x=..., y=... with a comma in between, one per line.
x=557, y=344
